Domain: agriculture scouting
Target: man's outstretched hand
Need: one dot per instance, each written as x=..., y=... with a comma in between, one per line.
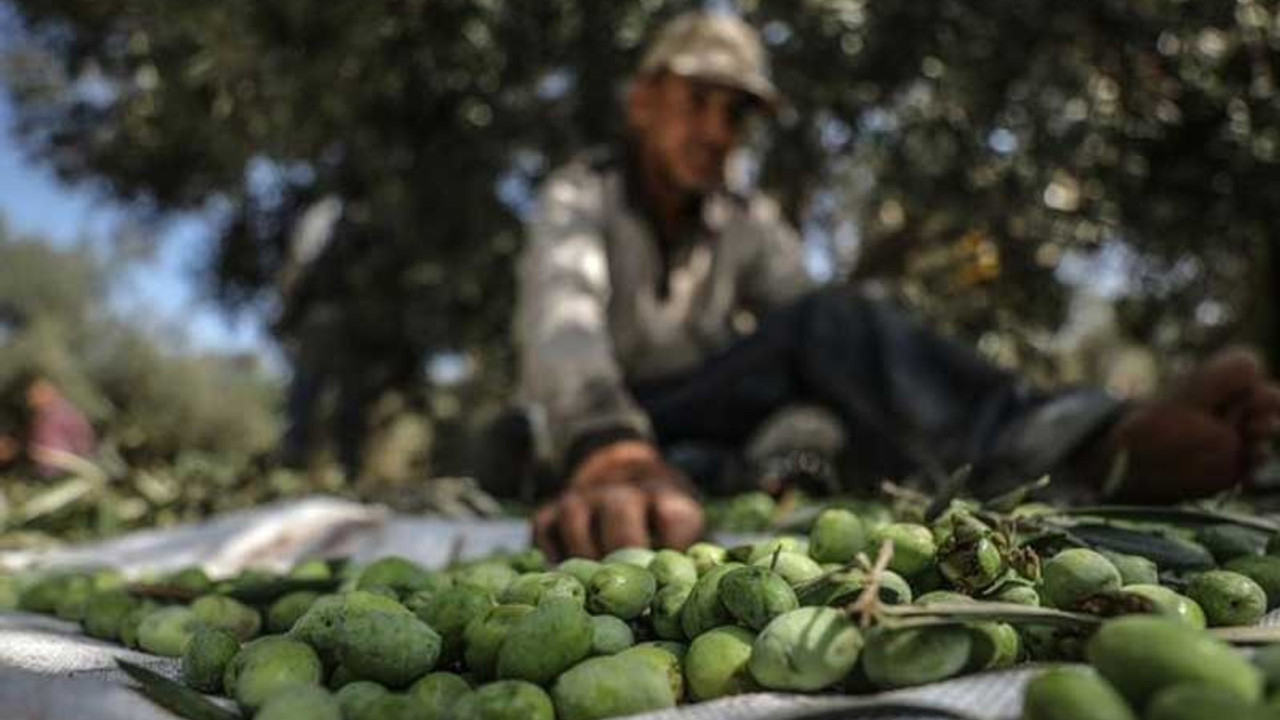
x=622, y=495
x=1210, y=432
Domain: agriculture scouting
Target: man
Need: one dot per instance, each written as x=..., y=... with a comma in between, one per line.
x=657, y=307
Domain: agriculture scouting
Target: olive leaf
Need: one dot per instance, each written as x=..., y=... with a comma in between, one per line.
x=1167, y=552
x=1171, y=515
x=1007, y=501
x=257, y=593
x=945, y=613
x=174, y=696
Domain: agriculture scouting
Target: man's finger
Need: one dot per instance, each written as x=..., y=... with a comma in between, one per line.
x=575, y=527
x=623, y=514
x=677, y=518
x=544, y=531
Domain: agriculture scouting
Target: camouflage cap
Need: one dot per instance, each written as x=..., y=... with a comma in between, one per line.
x=717, y=47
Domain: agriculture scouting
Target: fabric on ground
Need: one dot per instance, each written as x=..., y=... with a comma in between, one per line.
x=49, y=670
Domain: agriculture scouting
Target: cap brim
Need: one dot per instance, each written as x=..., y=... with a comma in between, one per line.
x=755, y=85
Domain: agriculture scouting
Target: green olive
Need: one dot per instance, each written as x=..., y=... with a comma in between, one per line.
x=264, y=666
x=706, y=556
x=206, y=658
x=167, y=631
x=450, y=612
x=1073, y=693
x=665, y=656
x=106, y=611
x=703, y=609
x=792, y=566
x=665, y=611
x=621, y=590
x=437, y=693
x=772, y=546
x=669, y=566
x=484, y=635
x=837, y=536
x=286, y=610
x=1228, y=598
x=224, y=612
x=401, y=575
x=1073, y=575
x=1197, y=702
x=355, y=699
x=636, y=556
x=716, y=664
x=391, y=649
x=546, y=642
x=490, y=575
x=806, y=650
x=917, y=656
x=1133, y=569
x=755, y=595
x=609, y=635
x=528, y=560
x=300, y=702
x=580, y=568
x=1143, y=654
x=505, y=700
x=611, y=686
x=533, y=588
x=914, y=548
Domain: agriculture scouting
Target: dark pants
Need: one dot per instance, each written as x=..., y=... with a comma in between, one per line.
x=909, y=399
x=911, y=402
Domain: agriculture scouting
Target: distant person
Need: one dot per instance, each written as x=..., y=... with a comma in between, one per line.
x=657, y=307
x=47, y=431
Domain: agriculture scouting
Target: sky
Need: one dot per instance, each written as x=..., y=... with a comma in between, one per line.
x=163, y=291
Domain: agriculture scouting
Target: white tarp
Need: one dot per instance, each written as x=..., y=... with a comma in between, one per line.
x=50, y=671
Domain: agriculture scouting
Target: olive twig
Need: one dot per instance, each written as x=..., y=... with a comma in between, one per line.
x=867, y=606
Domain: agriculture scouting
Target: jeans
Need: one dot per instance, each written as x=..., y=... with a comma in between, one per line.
x=910, y=400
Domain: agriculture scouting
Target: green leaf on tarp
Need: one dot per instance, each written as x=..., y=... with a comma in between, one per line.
x=1008, y=501
x=261, y=593
x=257, y=593
x=949, y=613
x=1166, y=552
x=174, y=696
x=1187, y=517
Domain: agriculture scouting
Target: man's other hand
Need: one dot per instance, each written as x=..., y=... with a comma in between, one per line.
x=1209, y=433
x=622, y=495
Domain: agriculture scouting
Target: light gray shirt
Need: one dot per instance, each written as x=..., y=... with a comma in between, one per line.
x=590, y=313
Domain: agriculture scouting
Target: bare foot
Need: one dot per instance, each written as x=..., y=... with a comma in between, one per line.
x=1209, y=433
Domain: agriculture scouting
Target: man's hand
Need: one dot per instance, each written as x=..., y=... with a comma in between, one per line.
x=1210, y=433
x=622, y=495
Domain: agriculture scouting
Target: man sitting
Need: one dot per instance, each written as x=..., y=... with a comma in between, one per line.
x=657, y=306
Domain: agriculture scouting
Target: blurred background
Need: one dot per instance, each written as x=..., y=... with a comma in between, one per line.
x=241, y=236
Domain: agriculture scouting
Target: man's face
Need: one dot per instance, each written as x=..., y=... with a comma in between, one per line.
x=686, y=128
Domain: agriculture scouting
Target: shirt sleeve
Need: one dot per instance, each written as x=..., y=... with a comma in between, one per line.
x=776, y=275
x=569, y=371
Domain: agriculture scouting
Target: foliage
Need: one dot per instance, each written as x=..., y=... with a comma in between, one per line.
x=151, y=402
x=961, y=149
x=92, y=504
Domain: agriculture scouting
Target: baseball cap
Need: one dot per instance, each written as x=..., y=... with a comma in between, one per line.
x=718, y=47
